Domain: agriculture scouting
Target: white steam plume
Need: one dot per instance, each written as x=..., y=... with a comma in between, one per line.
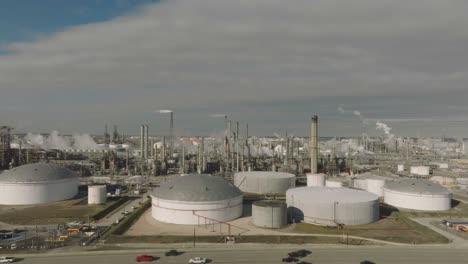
x=341, y=110
x=164, y=111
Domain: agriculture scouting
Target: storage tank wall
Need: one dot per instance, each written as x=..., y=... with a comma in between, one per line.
x=315, y=180
x=38, y=193
x=418, y=201
x=97, y=194
x=269, y=216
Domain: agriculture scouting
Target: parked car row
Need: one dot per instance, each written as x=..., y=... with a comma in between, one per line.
x=172, y=252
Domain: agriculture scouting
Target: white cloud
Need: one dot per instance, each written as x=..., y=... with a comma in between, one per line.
x=185, y=53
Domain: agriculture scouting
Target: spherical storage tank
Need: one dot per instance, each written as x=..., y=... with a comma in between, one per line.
x=417, y=194
x=97, y=194
x=315, y=179
x=332, y=206
x=264, y=182
x=195, y=199
x=37, y=183
x=269, y=213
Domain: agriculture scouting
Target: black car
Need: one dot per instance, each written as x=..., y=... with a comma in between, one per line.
x=294, y=254
x=367, y=262
x=172, y=252
x=305, y=252
x=299, y=254
x=290, y=259
x=303, y=262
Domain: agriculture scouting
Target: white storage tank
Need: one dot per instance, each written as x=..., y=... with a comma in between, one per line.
x=196, y=199
x=97, y=194
x=37, y=183
x=269, y=213
x=420, y=170
x=332, y=206
x=264, y=182
x=401, y=168
x=375, y=186
x=333, y=183
x=417, y=194
x=315, y=180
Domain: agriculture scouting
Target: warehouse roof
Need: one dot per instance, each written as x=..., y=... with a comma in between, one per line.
x=417, y=186
x=37, y=172
x=197, y=188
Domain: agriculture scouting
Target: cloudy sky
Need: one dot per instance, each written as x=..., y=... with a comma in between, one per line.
x=75, y=65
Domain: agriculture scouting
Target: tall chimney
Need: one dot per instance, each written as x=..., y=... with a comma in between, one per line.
x=142, y=141
x=314, y=144
x=171, y=136
x=163, y=151
x=146, y=141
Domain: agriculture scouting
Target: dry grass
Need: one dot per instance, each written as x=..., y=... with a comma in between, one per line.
x=52, y=213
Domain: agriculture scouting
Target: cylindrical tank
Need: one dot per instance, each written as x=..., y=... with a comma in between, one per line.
x=331, y=183
x=420, y=170
x=97, y=194
x=264, y=182
x=400, y=168
x=269, y=213
x=315, y=180
x=375, y=186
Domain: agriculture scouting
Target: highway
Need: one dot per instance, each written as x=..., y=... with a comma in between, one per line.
x=379, y=255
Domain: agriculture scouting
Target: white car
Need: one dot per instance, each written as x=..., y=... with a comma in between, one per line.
x=6, y=259
x=197, y=260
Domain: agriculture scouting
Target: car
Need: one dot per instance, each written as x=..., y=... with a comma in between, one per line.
x=126, y=212
x=367, y=262
x=144, y=258
x=303, y=262
x=6, y=259
x=172, y=252
x=290, y=259
x=197, y=260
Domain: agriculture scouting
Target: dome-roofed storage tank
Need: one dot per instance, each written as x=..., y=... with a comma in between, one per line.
x=332, y=206
x=315, y=180
x=269, y=213
x=97, y=194
x=194, y=198
x=264, y=182
x=417, y=194
x=37, y=183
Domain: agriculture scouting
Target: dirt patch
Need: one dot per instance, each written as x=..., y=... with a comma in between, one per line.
x=51, y=213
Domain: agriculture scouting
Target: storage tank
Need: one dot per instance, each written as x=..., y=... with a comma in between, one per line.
x=332, y=206
x=195, y=199
x=375, y=186
x=419, y=170
x=400, y=168
x=417, y=194
x=97, y=194
x=333, y=183
x=315, y=180
x=269, y=213
x=264, y=182
x=37, y=183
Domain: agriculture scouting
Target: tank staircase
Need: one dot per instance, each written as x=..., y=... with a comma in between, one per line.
x=208, y=221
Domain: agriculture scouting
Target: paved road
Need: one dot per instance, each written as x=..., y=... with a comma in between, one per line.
x=379, y=255
x=117, y=214
x=455, y=240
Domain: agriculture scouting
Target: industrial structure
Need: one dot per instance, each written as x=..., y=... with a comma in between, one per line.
x=37, y=183
x=196, y=198
x=417, y=194
x=332, y=206
x=264, y=182
x=269, y=213
x=315, y=179
x=97, y=194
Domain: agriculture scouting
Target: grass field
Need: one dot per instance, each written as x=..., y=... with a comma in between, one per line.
x=51, y=213
x=395, y=227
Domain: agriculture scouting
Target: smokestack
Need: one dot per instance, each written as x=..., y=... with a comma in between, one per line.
x=142, y=141
x=146, y=140
x=314, y=144
x=171, y=136
x=163, y=152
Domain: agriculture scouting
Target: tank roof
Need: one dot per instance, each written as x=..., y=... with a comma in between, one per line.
x=197, y=188
x=417, y=186
x=37, y=172
x=332, y=194
x=265, y=174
